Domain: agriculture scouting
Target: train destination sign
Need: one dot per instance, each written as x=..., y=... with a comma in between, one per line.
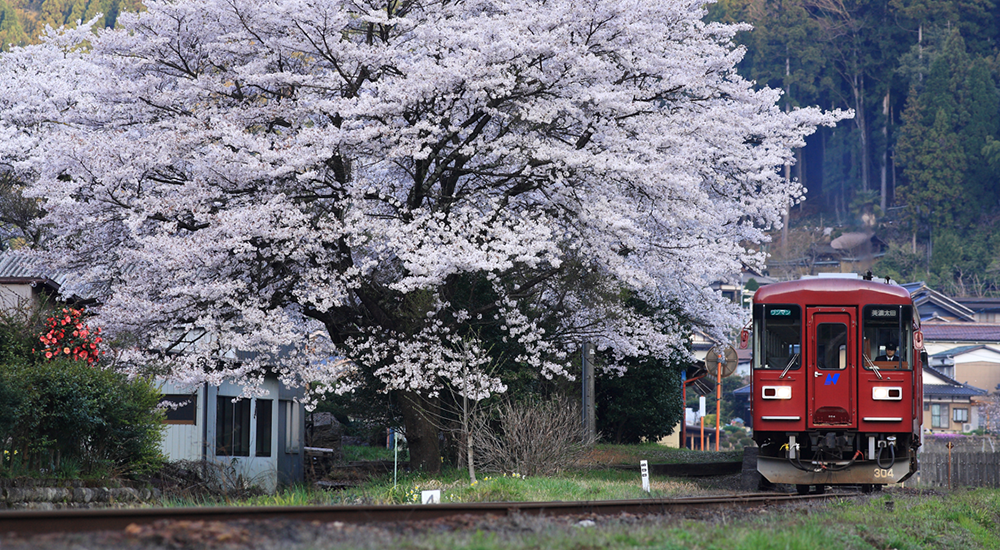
x=885, y=313
x=784, y=312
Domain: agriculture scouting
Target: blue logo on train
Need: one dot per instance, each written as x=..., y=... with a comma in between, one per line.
x=831, y=378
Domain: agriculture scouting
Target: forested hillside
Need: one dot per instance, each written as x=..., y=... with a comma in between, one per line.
x=919, y=163
x=21, y=21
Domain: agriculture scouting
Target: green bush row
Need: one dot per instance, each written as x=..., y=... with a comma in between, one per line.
x=65, y=418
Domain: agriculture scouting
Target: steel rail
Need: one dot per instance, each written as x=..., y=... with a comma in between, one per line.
x=25, y=522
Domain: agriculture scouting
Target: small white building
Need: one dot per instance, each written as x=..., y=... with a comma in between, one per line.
x=257, y=441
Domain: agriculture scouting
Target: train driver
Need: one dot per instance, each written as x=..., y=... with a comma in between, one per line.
x=890, y=353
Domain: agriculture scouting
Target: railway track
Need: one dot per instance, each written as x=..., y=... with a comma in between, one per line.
x=106, y=519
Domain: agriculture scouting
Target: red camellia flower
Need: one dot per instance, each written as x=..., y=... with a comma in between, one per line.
x=80, y=344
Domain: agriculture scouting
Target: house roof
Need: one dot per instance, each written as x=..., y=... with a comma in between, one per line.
x=961, y=332
x=20, y=267
x=962, y=350
x=934, y=305
x=937, y=384
x=980, y=304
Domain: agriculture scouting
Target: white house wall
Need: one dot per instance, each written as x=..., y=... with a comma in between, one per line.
x=14, y=296
x=185, y=441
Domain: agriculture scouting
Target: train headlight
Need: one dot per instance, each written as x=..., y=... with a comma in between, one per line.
x=887, y=393
x=776, y=392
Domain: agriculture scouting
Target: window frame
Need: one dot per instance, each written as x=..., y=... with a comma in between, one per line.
x=183, y=415
x=942, y=417
x=232, y=419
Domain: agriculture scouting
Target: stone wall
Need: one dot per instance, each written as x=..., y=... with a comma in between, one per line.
x=39, y=495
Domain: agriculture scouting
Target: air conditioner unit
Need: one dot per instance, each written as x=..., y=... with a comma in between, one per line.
x=966, y=427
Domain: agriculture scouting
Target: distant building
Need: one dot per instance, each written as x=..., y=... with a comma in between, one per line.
x=949, y=406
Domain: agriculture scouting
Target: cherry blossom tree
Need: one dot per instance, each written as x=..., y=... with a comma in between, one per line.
x=418, y=186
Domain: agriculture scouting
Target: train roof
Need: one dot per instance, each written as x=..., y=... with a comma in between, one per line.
x=829, y=290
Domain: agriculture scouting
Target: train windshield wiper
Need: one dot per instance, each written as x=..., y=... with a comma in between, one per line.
x=873, y=366
x=789, y=365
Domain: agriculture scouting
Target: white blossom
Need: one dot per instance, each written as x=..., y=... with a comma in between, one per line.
x=265, y=169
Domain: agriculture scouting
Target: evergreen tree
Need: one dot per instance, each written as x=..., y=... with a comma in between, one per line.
x=934, y=164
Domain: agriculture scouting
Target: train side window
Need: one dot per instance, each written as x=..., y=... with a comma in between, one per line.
x=831, y=346
x=777, y=336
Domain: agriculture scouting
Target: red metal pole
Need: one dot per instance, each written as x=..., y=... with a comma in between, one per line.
x=703, y=433
x=718, y=402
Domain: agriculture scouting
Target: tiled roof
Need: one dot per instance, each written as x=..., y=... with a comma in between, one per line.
x=961, y=332
x=947, y=390
x=16, y=265
x=19, y=267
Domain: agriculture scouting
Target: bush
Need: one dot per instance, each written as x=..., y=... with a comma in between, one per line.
x=530, y=438
x=90, y=420
x=65, y=415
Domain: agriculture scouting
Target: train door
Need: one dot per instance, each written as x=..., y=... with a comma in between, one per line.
x=831, y=366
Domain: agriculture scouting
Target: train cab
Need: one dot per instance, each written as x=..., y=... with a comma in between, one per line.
x=836, y=383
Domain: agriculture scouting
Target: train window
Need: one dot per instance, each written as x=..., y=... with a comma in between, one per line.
x=831, y=346
x=777, y=336
x=887, y=334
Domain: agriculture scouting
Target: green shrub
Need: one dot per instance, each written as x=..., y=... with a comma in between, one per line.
x=68, y=417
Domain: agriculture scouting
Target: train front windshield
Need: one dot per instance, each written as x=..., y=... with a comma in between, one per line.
x=778, y=345
x=887, y=335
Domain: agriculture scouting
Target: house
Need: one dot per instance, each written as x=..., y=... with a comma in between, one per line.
x=949, y=405
x=258, y=440
x=986, y=310
x=976, y=364
x=935, y=307
x=853, y=252
x=24, y=283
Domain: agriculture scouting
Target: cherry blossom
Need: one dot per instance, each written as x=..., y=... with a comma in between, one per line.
x=401, y=178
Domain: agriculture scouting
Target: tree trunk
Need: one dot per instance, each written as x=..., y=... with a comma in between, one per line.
x=472, y=462
x=420, y=417
x=884, y=192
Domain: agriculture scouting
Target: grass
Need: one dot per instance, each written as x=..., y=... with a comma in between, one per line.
x=899, y=519
x=593, y=480
x=355, y=453
x=655, y=453
x=958, y=520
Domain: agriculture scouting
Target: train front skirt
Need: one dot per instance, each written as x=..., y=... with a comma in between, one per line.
x=782, y=470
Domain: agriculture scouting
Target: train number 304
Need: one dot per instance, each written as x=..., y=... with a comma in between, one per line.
x=880, y=473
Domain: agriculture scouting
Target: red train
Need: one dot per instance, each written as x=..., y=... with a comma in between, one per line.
x=836, y=385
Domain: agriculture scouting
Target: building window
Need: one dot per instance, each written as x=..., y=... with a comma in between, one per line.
x=263, y=446
x=939, y=416
x=232, y=427
x=293, y=419
x=960, y=415
x=179, y=408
